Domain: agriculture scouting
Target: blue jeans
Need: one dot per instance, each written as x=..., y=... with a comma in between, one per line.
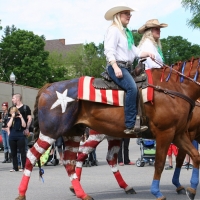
x=6, y=145
x=128, y=84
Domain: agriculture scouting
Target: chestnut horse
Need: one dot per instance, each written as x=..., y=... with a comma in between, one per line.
x=96, y=138
x=193, y=133
x=60, y=113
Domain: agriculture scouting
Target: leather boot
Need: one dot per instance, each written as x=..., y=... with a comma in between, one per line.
x=6, y=157
x=9, y=158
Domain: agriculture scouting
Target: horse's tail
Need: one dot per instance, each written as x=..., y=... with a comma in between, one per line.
x=35, y=112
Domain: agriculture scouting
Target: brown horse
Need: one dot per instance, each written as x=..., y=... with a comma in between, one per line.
x=60, y=113
x=193, y=133
x=96, y=138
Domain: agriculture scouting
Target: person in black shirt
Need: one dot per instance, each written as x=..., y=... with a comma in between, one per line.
x=17, y=126
x=26, y=114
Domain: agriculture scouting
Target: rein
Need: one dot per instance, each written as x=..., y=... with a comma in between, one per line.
x=181, y=74
x=174, y=93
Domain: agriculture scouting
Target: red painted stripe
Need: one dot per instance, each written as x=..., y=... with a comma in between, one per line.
x=92, y=90
x=43, y=144
x=80, y=87
x=28, y=165
x=93, y=132
x=103, y=95
x=115, y=97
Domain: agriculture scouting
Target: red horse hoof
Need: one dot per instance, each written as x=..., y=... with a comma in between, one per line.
x=130, y=191
x=21, y=197
x=181, y=190
x=190, y=193
x=71, y=188
x=88, y=198
x=161, y=198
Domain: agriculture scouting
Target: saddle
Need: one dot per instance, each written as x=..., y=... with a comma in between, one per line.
x=141, y=80
x=138, y=75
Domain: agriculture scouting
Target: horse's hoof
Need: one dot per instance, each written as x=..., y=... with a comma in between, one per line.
x=190, y=193
x=72, y=189
x=181, y=190
x=88, y=198
x=21, y=197
x=130, y=191
x=161, y=198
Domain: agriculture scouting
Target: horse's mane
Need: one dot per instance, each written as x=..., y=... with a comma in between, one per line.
x=35, y=112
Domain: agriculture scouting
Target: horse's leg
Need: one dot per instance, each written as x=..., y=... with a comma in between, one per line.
x=69, y=162
x=112, y=155
x=162, y=146
x=175, y=179
x=42, y=144
x=185, y=143
x=91, y=143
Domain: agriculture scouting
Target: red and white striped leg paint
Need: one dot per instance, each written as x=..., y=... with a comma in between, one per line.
x=42, y=144
x=112, y=157
x=69, y=161
x=91, y=143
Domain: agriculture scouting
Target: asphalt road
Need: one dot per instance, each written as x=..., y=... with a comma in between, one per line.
x=97, y=181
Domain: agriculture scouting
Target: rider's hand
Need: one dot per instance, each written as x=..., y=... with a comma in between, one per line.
x=117, y=70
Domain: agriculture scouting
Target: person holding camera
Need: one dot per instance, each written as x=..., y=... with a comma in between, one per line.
x=4, y=133
x=17, y=126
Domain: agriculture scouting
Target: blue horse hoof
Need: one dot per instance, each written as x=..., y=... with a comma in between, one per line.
x=190, y=192
x=181, y=190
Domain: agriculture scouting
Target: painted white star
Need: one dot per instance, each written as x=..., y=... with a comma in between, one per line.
x=62, y=100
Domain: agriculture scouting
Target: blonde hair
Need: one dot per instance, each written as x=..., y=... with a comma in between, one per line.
x=148, y=34
x=117, y=22
x=14, y=109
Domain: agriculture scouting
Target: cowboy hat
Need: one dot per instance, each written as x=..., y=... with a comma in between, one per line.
x=150, y=24
x=116, y=9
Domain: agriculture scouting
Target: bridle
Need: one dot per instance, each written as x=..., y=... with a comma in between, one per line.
x=180, y=73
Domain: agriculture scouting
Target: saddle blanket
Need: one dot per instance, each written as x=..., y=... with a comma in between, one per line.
x=86, y=91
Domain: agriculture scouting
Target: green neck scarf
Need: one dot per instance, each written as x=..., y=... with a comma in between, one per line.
x=161, y=54
x=129, y=38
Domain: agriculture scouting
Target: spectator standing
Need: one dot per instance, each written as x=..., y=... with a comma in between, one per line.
x=188, y=161
x=17, y=125
x=172, y=150
x=124, y=150
x=4, y=133
x=60, y=144
x=26, y=114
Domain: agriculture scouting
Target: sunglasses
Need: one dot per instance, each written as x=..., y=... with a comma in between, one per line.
x=126, y=13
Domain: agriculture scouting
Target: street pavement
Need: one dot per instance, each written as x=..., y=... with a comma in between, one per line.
x=97, y=181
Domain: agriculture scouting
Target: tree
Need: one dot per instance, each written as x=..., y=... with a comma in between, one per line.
x=175, y=48
x=194, y=7
x=94, y=59
x=0, y=26
x=23, y=53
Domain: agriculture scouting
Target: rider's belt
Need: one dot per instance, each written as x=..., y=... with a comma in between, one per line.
x=124, y=64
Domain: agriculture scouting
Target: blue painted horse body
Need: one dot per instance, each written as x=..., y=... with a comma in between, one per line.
x=61, y=113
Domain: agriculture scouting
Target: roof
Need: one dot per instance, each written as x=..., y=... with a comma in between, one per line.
x=58, y=45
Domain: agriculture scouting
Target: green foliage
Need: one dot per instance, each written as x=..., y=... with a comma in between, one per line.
x=194, y=7
x=0, y=26
x=175, y=48
x=23, y=53
x=94, y=59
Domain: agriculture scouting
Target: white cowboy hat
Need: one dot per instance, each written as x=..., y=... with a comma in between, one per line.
x=116, y=9
x=150, y=24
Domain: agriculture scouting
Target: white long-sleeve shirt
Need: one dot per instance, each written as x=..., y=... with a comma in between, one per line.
x=150, y=47
x=116, y=46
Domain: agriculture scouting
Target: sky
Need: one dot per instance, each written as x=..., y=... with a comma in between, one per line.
x=82, y=21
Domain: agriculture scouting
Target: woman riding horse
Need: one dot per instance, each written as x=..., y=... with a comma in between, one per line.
x=120, y=53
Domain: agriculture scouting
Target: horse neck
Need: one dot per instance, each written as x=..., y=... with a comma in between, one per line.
x=187, y=87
